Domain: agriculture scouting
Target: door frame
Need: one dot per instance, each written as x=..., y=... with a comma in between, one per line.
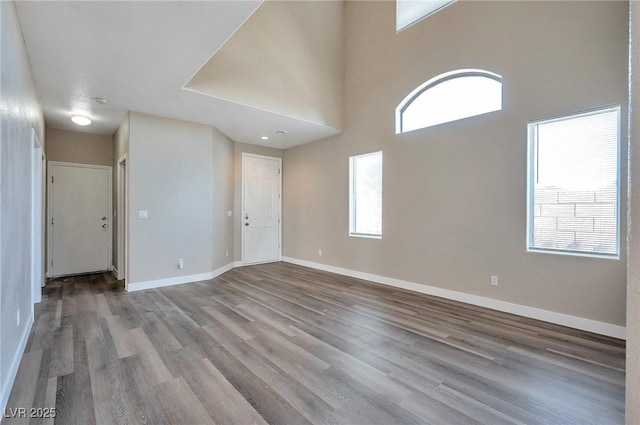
x=38, y=176
x=122, y=191
x=242, y=212
x=50, y=165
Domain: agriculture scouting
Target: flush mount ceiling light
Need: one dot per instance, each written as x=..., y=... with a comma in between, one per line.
x=265, y=137
x=281, y=132
x=80, y=120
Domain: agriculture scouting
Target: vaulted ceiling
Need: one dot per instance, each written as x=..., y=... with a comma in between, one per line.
x=248, y=68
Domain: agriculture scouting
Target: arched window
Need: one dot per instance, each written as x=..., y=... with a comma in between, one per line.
x=450, y=97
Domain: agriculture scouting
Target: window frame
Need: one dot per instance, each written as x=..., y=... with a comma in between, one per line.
x=425, y=15
x=531, y=158
x=439, y=79
x=352, y=196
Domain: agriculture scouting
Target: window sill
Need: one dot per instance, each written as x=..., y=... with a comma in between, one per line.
x=574, y=253
x=365, y=236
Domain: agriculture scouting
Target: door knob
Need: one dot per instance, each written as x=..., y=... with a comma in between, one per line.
x=104, y=218
x=104, y=226
x=246, y=224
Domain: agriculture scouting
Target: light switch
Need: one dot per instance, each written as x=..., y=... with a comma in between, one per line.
x=229, y=213
x=143, y=214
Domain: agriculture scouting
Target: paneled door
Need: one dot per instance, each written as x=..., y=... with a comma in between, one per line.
x=79, y=218
x=261, y=223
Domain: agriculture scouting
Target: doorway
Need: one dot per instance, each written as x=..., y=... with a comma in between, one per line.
x=261, y=208
x=121, y=219
x=37, y=218
x=79, y=221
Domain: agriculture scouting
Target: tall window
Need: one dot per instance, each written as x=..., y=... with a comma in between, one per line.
x=408, y=12
x=450, y=97
x=574, y=184
x=365, y=195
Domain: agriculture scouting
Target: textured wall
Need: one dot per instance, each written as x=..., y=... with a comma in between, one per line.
x=286, y=58
x=81, y=148
x=172, y=170
x=633, y=263
x=454, y=195
x=20, y=112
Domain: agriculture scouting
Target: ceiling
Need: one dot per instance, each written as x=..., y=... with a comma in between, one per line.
x=139, y=55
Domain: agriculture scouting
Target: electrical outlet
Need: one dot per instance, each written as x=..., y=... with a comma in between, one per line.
x=320, y=252
x=226, y=253
x=494, y=280
x=181, y=263
x=18, y=317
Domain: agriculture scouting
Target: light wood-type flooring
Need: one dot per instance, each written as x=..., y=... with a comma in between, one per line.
x=284, y=344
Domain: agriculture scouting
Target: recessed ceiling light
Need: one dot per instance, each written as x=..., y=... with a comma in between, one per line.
x=80, y=120
x=101, y=100
x=265, y=137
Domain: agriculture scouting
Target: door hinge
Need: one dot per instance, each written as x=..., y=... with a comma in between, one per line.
x=52, y=262
x=52, y=221
x=278, y=196
x=51, y=179
x=278, y=171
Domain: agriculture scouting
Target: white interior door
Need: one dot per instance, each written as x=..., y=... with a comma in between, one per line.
x=79, y=218
x=261, y=208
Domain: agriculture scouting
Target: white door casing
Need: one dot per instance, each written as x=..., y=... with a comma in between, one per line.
x=79, y=218
x=37, y=219
x=122, y=190
x=261, y=208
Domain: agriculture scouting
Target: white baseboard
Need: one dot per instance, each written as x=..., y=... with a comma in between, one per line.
x=178, y=280
x=15, y=364
x=581, y=323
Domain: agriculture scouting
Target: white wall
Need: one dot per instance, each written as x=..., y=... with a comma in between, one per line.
x=20, y=111
x=286, y=58
x=178, y=172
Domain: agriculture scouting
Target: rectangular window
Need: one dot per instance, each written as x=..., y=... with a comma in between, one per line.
x=574, y=184
x=365, y=195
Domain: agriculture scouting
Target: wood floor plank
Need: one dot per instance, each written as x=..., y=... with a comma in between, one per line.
x=139, y=394
x=181, y=404
x=61, y=354
x=121, y=338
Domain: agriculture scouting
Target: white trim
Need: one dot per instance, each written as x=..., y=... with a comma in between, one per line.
x=532, y=141
x=37, y=219
x=575, y=322
x=122, y=191
x=352, y=195
x=50, y=165
x=242, y=226
x=178, y=280
x=15, y=364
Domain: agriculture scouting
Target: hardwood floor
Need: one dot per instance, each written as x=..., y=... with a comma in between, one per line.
x=283, y=344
